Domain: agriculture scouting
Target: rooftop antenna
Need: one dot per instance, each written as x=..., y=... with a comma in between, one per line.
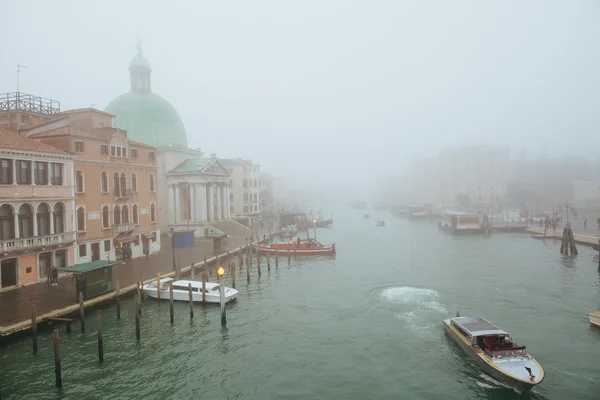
x=19, y=69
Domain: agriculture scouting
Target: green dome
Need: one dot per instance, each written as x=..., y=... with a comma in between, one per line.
x=148, y=118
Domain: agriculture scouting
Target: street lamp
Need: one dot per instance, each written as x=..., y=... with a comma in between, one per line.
x=567, y=206
x=172, y=230
x=315, y=229
x=220, y=272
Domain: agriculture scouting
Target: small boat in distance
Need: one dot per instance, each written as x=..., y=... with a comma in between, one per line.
x=180, y=291
x=366, y=216
x=306, y=247
x=595, y=318
x=493, y=350
x=289, y=230
x=380, y=223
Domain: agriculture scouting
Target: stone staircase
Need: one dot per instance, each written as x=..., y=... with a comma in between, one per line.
x=232, y=228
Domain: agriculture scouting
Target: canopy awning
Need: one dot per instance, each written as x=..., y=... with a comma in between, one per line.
x=126, y=239
x=88, y=266
x=149, y=235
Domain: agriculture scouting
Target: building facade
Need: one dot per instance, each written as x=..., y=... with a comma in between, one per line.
x=37, y=203
x=245, y=186
x=115, y=184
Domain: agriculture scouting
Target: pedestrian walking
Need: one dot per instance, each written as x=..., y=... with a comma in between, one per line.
x=54, y=276
x=585, y=222
x=48, y=275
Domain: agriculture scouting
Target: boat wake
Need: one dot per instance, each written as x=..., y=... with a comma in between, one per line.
x=418, y=308
x=416, y=298
x=487, y=382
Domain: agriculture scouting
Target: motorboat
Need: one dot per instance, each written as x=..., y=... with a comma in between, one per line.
x=460, y=223
x=181, y=293
x=595, y=318
x=493, y=350
x=380, y=223
x=290, y=229
x=366, y=216
x=300, y=247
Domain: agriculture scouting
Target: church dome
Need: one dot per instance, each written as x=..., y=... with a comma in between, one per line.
x=146, y=116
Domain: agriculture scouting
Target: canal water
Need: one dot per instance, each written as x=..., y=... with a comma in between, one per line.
x=365, y=325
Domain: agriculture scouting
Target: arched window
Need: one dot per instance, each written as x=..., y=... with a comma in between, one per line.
x=7, y=222
x=134, y=187
x=152, y=212
x=116, y=184
x=25, y=221
x=59, y=218
x=81, y=219
x=125, y=214
x=105, y=217
x=151, y=182
x=104, y=182
x=117, y=215
x=136, y=218
x=79, y=188
x=123, y=184
x=43, y=219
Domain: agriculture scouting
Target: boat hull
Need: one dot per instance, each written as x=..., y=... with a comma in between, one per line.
x=479, y=358
x=305, y=252
x=595, y=318
x=182, y=295
x=460, y=232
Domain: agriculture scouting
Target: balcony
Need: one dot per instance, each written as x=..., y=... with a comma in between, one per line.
x=31, y=243
x=124, y=228
x=123, y=194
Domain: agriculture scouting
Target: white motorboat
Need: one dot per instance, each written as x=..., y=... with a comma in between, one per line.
x=180, y=291
x=595, y=318
x=493, y=350
x=290, y=229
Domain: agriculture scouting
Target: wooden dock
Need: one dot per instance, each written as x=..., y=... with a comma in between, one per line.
x=585, y=240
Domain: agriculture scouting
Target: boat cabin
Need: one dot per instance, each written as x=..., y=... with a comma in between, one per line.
x=494, y=341
x=182, y=285
x=457, y=221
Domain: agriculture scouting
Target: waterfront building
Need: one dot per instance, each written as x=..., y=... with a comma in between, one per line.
x=193, y=190
x=245, y=186
x=267, y=196
x=116, y=201
x=37, y=203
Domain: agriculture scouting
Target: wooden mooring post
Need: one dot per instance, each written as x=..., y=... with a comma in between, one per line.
x=171, y=316
x=100, y=339
x=289, y=258
x=139, y=297
x=276, y=260
x=203, y=287
x=232, y=270
x=137, y=321
x=248, y=272
x=191, y=295
x=220, y=273
x=268, y=262
x=34, y=329
x=568, y=242
x=158, y=288
x=141, y=286
x=57, y=369
x=192, y=272
x=258, y=263
x=118, y=299
x=241, y=255
x=81, y=312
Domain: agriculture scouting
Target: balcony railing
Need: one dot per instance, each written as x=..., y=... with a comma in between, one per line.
x=36, y=242
x=123, y=194
x=122, y=228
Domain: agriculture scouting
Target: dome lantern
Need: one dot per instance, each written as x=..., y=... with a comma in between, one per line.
x=140, y=71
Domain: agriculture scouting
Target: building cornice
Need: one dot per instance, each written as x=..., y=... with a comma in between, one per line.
x=115, y=164
x=36, y=154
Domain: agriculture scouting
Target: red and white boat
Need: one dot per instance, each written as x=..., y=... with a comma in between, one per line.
x=306, y=247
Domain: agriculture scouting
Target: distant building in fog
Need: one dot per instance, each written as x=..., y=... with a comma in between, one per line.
x=586, y=194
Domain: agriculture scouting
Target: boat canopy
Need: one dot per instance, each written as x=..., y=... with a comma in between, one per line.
x=477, y=326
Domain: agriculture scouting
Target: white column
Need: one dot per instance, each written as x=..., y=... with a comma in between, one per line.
x=51, y=222
x=192, y=195
x=223, y=202
x=16, y=222
x=197, y=188
x=219, y=203
x=227, y=205
x=14, y=171
x=202, y=203
x=170, y=209
x=35, y=227
x=211, y=205
x=32, y=173
x=177, y=206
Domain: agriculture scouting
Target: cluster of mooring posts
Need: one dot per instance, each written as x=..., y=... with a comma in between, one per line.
x=568, y=241
x=206, y=272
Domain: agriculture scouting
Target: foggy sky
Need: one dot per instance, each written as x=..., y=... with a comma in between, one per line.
x=335, y=91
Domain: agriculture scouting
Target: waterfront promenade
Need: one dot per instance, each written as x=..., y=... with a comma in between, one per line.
x=15, y=312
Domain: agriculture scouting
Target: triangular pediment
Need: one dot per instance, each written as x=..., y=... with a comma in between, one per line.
x=215, y=167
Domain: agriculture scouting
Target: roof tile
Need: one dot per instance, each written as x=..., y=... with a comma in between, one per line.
x=12, y=140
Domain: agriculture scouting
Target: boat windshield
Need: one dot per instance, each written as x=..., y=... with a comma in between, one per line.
x=508, y=353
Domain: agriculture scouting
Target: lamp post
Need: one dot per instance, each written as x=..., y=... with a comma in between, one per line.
x=172, y=231
x=220, y=272
x=567, y=206
x=315, y=229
